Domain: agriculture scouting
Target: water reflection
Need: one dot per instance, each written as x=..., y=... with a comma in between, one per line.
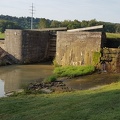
x=14, y=77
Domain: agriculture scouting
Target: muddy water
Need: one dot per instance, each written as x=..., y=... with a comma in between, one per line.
x=93, y=81
x=13, y=78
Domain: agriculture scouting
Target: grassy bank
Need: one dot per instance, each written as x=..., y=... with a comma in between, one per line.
x=2, y=35
x=99, y=104
x=112, y=35
x=73, y=71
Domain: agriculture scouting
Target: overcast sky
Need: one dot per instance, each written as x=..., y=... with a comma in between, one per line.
x=101, y=10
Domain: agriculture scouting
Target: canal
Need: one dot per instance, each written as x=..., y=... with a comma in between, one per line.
x=15, y=77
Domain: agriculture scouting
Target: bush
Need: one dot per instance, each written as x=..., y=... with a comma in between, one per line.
x=73, y=71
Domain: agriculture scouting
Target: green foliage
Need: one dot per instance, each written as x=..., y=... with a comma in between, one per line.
x=55, y=24
x=84, y=23
x=51, y=78
x=73, y=71
x=24, y=23
x=99, y=104
x=44, y=23
x=110, y=27
x=5, y=24
x=92, y=22
x=96, y=57
x=71, y=24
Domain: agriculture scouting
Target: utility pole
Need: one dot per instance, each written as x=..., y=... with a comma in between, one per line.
x=32, y=13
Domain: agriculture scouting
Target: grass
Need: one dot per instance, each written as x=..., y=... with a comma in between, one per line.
x=73, y=71
x=2, y=35
x=49, y=79
x=99, y=104
x=113, y=35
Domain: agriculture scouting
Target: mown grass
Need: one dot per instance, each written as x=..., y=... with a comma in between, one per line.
x=73, y=71
x=2, y=35
x=113, y=35
x=99, y=104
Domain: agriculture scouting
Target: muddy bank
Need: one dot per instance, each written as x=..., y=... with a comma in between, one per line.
x=50, y=87
x=93, y=81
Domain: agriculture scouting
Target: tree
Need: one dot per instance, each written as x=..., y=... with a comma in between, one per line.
x=92, y=22
x=109, y=27
x=65, y=23
x=117, y=28
x=84, y=23
x=55, y=24
x=4, y=24
x=77, y=24
x=44, y=23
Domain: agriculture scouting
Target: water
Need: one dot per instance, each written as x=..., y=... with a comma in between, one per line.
x=93, y=81
x=13, y=78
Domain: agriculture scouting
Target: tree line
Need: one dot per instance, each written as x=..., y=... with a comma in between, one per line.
x=9, y=22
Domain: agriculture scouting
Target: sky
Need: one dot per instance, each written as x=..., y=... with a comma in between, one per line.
x=101, y=10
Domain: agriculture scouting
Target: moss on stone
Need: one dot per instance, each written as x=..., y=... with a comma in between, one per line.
x=96, y=57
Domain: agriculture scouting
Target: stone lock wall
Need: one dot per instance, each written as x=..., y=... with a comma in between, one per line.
x=35, y=46
x=111, y=56
x=13, y=44
x=27, y=46
x=2, y=44
x=78, y=48
x=72, y=48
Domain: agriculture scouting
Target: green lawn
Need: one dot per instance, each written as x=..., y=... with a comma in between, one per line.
x=99, y=104
x=2, y=35
x=112, y=35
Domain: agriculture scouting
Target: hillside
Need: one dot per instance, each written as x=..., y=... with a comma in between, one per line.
x=24, y=22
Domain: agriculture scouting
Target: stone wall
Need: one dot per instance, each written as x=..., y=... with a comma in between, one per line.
x=35, y=46
x=13, y=44
x=79, y=48
x=27, y=46
x=2, y=44
x=111, y=56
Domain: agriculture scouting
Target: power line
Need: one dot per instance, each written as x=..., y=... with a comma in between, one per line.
x=32, y=13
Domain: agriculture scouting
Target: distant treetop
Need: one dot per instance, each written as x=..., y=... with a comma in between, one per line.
x=24, y=23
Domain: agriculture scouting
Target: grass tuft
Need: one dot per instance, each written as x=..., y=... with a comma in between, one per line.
x=49, y=79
